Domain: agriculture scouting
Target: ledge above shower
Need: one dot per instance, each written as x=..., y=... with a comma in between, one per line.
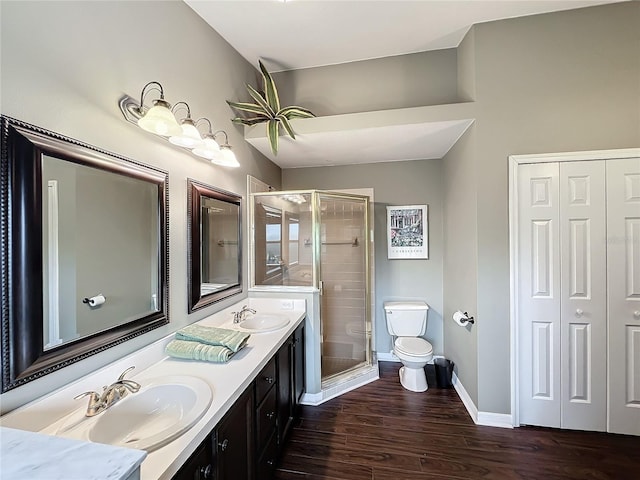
x=418, y=133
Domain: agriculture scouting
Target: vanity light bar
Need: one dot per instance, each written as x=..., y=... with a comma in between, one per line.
x=160, y=120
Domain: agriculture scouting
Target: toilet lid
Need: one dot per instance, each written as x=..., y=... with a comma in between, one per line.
x=413, y=346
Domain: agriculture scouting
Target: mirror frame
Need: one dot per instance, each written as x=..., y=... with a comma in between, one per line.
x=23, y=356
x=195, y=191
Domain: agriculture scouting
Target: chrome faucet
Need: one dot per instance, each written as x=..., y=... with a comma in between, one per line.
x=239, y=316
x=110, y=394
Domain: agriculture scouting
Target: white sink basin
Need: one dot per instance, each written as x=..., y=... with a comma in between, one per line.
x=163, y=409
x=264, y=322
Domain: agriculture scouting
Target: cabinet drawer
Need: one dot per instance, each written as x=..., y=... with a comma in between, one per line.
x=267, y=463
x=266, y=419
x=265, y=380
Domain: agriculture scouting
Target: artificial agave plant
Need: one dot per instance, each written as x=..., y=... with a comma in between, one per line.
x=267, y=109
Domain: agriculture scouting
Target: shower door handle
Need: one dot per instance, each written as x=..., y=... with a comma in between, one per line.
x=321, y=285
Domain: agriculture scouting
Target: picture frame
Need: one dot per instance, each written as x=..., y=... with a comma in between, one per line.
x=407, y=232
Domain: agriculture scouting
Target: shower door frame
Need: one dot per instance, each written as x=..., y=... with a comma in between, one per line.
x=352, y=372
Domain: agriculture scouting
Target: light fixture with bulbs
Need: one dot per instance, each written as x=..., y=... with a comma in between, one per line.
x=160, y=119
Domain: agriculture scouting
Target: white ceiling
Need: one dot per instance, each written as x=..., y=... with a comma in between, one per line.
x=296, y=34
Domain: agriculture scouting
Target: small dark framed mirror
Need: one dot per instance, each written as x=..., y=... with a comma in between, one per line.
x=215, y=244
x=84, y=250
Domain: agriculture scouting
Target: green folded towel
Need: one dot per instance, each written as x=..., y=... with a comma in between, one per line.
x=198, y=351
x=232, y=339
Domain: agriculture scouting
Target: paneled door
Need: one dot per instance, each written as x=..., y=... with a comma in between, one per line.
x=623, y=257
x=583, y=297
x=562, y=295
x=539, y=294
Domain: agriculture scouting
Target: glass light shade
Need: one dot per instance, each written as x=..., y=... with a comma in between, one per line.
x=208, y=149
x=189, y=138
x=160, y=120
x=227, y=159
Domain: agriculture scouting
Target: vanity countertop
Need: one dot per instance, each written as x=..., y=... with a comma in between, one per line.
x=227, y=381
x=63, y=458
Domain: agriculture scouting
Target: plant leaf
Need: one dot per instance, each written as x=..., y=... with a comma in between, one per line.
x=287, y=126
x=295, y=112
x=268, y=111
x=247, y=107
x=271, y=92
x=272, y=134
x=250, y=121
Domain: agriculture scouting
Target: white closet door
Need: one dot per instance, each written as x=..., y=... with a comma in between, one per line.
x=539, y=294
x=583, y=309
x=623, y=256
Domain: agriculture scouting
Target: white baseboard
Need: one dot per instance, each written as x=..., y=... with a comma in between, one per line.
x=387, y=357
x=488, y=419
x=364, y=377
x=466, y=399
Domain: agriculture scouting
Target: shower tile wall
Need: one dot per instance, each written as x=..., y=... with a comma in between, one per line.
x=343, y=276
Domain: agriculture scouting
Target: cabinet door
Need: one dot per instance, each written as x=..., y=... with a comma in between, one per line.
x=298, y=367
x=234, y=441
x=199, y=466
x=285, y=395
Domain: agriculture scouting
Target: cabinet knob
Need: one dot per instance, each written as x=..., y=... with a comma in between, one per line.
x=636, y=314
x=270, y=463
x=269, y=380
x=270, y=415
x=206, y=473
x=579, y=312
x=224, y=444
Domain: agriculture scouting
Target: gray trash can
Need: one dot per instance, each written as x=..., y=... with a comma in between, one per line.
x=444, y=372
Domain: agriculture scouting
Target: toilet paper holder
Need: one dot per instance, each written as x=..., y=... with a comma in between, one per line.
x=94, y=301
x=463, y=318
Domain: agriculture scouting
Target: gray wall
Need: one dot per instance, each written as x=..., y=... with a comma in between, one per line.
x=460, y=280
x=557, y=82
x=426, y=78
x=394, y=183
x=64, y=65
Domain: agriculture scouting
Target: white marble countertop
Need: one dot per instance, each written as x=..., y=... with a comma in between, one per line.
x=227, y=381
x=34, y=456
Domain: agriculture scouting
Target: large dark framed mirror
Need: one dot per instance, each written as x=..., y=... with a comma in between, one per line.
x=84, y=251
x=215, y=244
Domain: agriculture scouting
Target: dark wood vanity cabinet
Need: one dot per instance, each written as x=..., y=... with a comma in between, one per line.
x=233, y=441
x=267, y=389
x=200, y=465
x=248, y=440
x=298, y=375
x=223, y=454
x=290, y=359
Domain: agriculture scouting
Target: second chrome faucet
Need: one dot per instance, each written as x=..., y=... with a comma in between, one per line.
x=99, y=402
x=239, y=316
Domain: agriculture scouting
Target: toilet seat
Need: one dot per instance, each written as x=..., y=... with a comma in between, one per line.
x=413, y=346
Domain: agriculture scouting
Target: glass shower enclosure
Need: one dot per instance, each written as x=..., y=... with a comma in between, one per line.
x=318, y=241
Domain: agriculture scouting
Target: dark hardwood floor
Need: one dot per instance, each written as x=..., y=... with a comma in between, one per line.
x=384, y=432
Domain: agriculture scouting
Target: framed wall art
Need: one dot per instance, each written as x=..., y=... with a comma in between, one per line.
x=407, y=232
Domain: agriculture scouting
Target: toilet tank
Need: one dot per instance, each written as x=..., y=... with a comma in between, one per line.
x=406, y=319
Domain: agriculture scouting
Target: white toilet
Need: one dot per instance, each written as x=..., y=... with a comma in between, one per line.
x=407, y=322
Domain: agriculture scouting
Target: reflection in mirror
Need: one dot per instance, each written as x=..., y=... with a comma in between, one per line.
x=215, y=245
x=84, y=251
x=96, y=225
x=282, y=239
